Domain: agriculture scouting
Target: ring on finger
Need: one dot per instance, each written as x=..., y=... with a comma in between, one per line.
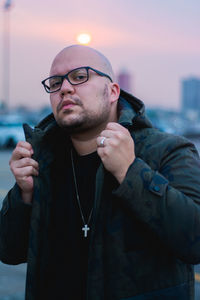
x=102, y=141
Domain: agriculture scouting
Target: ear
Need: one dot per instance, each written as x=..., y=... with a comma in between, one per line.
x=114, y=92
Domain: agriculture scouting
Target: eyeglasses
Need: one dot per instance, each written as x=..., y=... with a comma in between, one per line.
x=74, y=77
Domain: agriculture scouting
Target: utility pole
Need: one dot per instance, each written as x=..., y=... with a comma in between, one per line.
x=6, y=54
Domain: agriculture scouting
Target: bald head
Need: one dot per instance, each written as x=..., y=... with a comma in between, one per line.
x=76, y=56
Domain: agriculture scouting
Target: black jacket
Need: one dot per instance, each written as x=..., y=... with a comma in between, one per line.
x=144, y=241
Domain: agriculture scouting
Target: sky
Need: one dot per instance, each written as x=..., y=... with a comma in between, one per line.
x=156, y=41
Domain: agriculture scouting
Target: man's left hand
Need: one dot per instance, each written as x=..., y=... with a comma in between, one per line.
x=117, y=151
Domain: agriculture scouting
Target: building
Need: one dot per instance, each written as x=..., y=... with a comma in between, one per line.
x=190, y=89
x=124, y=80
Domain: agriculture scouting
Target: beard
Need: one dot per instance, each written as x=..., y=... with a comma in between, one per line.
x=87, y=119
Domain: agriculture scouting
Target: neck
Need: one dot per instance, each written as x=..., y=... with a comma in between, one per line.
x=85, y=143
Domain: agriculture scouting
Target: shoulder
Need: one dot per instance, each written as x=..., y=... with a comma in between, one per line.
x=152, y=144
x=153, y=137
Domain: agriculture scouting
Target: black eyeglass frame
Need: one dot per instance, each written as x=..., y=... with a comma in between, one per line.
x=66, y=77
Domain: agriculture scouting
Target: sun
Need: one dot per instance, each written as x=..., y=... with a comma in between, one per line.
x=83, y=38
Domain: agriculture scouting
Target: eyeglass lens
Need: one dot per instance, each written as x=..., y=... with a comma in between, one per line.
x=74, y=77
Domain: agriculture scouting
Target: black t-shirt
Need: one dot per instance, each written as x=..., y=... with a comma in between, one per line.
x=66, y=272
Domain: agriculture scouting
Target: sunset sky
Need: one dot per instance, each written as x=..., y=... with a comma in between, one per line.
x=157, y=41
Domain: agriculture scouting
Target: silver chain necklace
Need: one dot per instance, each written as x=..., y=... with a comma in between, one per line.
x=85, y=228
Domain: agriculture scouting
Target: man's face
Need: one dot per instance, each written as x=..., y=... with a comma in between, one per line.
x=81, y=107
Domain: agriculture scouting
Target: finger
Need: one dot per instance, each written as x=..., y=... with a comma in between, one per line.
x=101, y=141
x=20, y=152
x=24, y=162
x=107, y=133
x=20, y=173
x=114, y=135
x=100, y=152
x=116, y=127
x=24, y=144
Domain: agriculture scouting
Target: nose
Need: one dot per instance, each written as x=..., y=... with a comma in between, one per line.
x=67, y=87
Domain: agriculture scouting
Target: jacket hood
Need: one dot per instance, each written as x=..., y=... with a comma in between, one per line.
x=131, y=114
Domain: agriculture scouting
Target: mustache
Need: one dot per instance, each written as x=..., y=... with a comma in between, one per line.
x=62, y=102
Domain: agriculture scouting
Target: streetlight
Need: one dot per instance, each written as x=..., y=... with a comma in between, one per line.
x=6, y=53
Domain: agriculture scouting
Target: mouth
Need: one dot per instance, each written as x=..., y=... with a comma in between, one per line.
x=67, y=104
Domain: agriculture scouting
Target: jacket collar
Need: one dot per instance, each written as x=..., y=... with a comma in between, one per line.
x=132, y=112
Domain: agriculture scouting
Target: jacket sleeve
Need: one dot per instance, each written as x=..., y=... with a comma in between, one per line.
x=14, y=228
x=167, y=198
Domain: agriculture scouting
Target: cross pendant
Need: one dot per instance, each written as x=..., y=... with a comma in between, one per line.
x=85, y=229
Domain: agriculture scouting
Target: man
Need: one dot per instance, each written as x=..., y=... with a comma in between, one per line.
x=105, y=207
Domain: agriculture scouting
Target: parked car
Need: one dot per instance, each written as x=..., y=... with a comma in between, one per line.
x=10, y=134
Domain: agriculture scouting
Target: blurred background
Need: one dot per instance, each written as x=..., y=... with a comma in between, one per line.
x=153, y=45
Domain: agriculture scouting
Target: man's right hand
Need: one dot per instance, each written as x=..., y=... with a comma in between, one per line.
x=23, y=168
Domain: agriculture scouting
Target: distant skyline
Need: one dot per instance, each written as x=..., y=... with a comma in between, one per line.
x=191, y=94
x=157, y=42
